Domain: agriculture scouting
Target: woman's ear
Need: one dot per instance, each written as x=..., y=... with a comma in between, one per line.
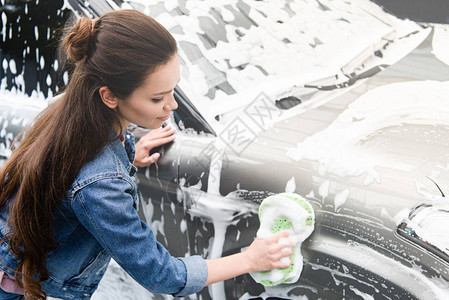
x=108, y=97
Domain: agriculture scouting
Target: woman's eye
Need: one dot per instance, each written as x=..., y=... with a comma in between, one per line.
x=156, y=100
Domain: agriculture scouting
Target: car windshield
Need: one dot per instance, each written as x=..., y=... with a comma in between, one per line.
x=233, y=50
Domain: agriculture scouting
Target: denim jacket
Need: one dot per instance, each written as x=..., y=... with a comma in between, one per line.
x=98, y=220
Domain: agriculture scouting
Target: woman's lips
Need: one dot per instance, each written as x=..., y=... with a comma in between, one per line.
x=164, y=118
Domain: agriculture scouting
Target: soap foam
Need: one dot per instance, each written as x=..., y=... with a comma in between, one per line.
x=440, y=42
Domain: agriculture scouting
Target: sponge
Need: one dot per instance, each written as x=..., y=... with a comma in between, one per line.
x=285, y=212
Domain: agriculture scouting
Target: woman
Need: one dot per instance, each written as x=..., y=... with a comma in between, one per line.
x=68, y=200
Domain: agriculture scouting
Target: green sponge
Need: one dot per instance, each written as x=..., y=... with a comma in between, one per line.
x=285, y=212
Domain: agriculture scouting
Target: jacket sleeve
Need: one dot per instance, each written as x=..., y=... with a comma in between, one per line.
x=105, y=208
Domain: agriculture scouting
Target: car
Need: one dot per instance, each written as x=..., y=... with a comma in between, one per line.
x=337, y=101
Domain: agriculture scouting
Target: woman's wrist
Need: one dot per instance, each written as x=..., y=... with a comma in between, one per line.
x=246, y=262
x=228, y=267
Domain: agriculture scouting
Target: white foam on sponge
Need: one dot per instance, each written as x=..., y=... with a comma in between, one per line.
x=298, y=218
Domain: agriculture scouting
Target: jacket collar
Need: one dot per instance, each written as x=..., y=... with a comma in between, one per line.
x=125, y=154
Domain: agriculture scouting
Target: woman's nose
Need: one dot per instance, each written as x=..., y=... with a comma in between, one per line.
x=171, y=104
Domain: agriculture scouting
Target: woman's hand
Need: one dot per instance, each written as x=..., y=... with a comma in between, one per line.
x=261, y=255
x=154, y=138
x=266, y=254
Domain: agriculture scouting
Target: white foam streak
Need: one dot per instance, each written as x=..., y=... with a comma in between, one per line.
x=323, y=189
x=290, y=186
x=440, y=42
x=341, y=198
x=16, y=98
x=4, y=22
x=409, y=278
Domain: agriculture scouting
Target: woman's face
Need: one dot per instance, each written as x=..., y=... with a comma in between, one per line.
x=150, y=105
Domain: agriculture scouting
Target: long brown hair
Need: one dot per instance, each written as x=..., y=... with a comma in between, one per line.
x=118, y=50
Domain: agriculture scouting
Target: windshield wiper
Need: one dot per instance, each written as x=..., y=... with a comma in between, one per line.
x=442, y=194
x=352, y=78
x=357, y=68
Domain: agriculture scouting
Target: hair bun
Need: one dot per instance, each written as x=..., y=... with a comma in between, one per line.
x=78, y=39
